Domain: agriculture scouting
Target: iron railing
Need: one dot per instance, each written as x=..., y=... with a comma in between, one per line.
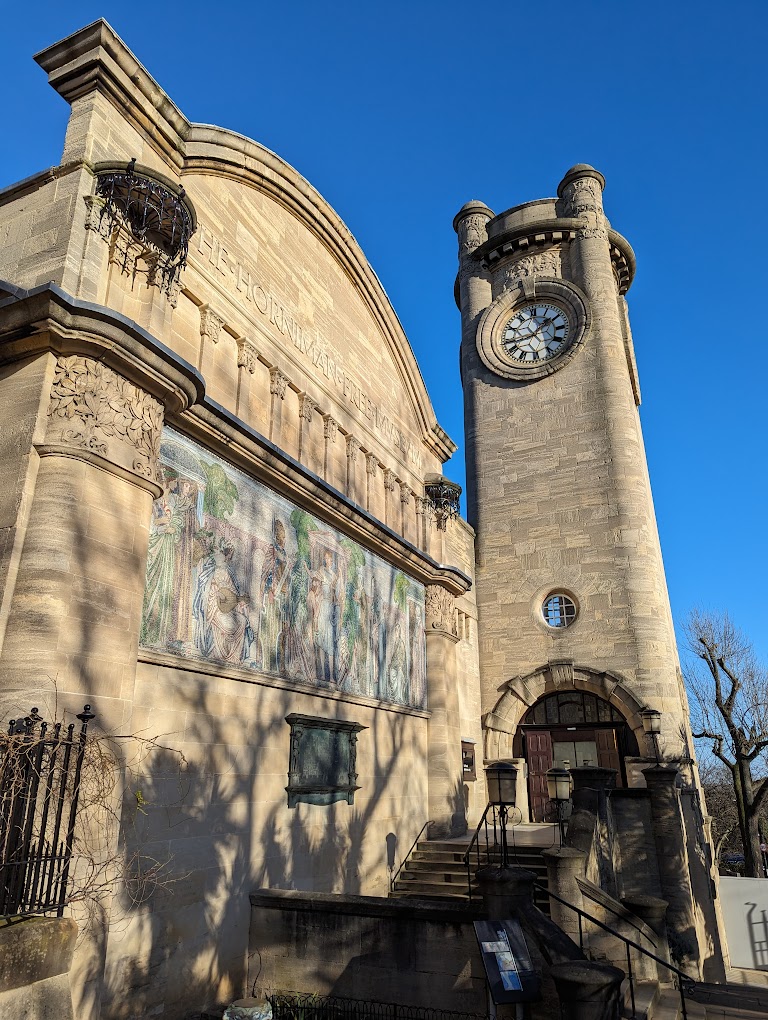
x=40, y=775
x=682, y=981
x=495, y=847
x=307, y=1006
x=394, y=877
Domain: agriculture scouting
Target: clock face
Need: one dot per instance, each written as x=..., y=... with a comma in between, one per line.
x=535, y=333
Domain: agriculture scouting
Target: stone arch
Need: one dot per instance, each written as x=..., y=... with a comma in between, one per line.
x=521, y=692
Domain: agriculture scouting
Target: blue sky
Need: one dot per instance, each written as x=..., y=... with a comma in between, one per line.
x=400, y=112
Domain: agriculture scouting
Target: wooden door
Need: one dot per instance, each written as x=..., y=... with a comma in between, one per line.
x=538, y=754
x=608, y=752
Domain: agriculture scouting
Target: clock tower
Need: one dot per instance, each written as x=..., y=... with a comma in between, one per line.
x=575, y=630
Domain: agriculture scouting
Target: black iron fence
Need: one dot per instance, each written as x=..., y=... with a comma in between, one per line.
x=40, y=775
x=307, y=1006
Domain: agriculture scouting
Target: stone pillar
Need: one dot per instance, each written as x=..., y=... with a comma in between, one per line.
x=74, y=603
x=406, y=512
x=311, y=447
x=588, y=991
x=277, y=387
x=247, y=363
x=391, y=519
x=75, y=611
x=669, y=835
x=475, y=294
x=331, y=456
x=444, y=766
x=564, y=866
x=371, y=485
x=353, y=487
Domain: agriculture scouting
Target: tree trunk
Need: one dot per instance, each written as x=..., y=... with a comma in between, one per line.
x=741, y=810
x=753, y=858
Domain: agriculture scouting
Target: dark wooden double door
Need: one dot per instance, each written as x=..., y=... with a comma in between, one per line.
x=566, y=747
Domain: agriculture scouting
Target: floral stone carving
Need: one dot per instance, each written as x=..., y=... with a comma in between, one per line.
x=93, y=408
x=440, y=610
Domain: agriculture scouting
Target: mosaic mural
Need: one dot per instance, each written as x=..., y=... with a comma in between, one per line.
x=238, y=575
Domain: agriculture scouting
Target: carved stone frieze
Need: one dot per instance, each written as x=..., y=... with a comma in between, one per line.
x=96, y=410
x=277, y=382
x=247, y=355
x=440, y=609
x=543, y=263
x=211, y=324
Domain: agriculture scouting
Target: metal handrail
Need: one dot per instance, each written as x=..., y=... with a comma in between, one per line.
x=684, y=981
x=394, y=877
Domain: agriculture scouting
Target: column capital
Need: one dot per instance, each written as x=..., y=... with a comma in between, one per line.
x=211, y=324
x=247, y=355
x=277, y=382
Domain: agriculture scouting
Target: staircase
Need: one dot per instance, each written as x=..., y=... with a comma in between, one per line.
x=435, y=869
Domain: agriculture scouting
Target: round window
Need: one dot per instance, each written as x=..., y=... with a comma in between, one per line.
x=559, y=610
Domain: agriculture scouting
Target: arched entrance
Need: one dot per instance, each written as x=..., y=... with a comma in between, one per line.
x=568, y=728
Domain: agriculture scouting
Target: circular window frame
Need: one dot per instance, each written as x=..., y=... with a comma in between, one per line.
x=493, y=322
x=552, y=593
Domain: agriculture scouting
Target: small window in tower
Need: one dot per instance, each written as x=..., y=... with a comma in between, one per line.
x=559, y=610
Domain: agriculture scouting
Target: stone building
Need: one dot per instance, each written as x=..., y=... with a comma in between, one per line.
x=224, y=521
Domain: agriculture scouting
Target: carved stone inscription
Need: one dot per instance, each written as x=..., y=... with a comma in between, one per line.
x=310, y=344
x=93, y=408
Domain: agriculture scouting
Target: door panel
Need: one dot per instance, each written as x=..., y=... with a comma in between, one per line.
x=538, y=754
x=607, y=752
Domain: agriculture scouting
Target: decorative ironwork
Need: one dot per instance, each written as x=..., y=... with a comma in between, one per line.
x=155, y=215
x=443, y=497
x=308, y=1006
x=40, y=774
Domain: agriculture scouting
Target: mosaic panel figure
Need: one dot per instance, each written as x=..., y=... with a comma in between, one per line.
x=238, y=575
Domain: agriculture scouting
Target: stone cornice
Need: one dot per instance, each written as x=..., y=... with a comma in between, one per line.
x=95, y=59
x=555, y=231
x=48, y=319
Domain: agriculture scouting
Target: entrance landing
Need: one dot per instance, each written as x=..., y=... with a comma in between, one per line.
x=539, y=834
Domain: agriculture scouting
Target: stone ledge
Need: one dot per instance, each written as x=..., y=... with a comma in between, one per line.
x=35, y=949
x=365, y=906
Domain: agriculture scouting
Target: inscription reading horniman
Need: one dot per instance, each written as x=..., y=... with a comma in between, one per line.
x=311, y=344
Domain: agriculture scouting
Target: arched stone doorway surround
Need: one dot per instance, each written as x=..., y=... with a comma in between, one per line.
x=520, y=693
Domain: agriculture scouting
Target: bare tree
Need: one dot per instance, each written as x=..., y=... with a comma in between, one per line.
x=729, y=687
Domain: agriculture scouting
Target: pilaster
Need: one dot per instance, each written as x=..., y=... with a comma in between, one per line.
x=444, y=765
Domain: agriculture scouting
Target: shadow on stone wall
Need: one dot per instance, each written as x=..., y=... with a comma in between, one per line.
x=181, y=945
